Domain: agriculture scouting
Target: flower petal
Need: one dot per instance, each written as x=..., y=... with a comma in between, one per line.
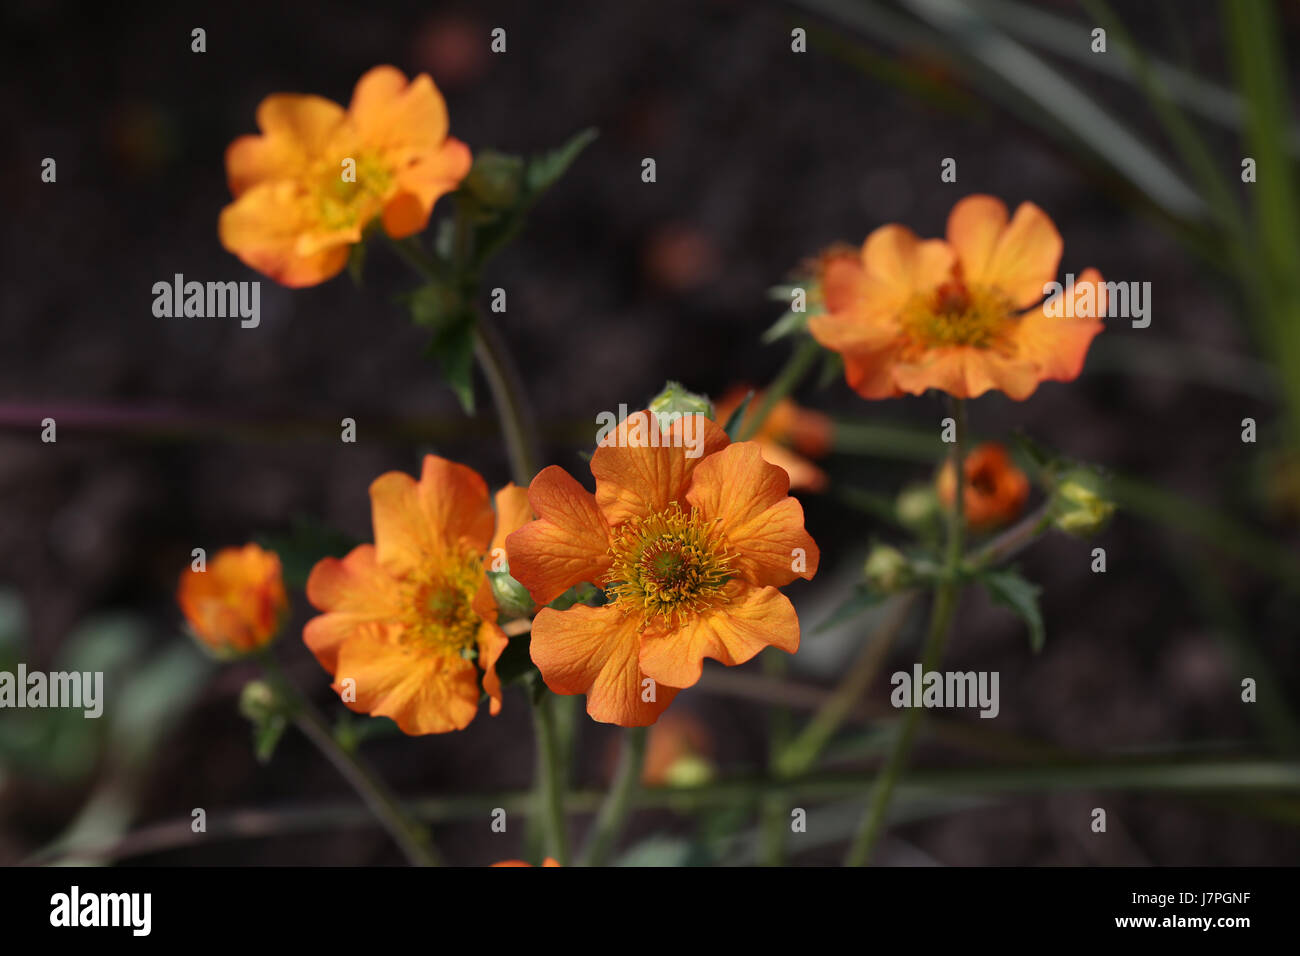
x=357, y=594
x=1018, y=258
x=898, y=265
x=750, y=499
x=265, y=226
x=1059, y=344
x=296, y=128
x=446, y=512
x=425, y=693
x=732, y=633
x=594, y=651
x=641, y=470
x=513, y=512
x=568, y=544
x=421, y=182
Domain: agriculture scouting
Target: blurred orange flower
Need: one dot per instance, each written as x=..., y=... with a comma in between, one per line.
x=547, y=862
x=690, y=551
x=788, y=434
x=996, y=490
x=238, y=603
x=962, y=315
x=410, y=627
x=679, y=750
x=308, y=185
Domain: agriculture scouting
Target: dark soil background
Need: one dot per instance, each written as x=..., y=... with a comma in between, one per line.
x=181, y=433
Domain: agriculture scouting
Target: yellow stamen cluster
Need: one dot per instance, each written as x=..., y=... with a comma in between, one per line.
x=343, y=203
x=668, y=566
x=954, y=314
x=439, y=612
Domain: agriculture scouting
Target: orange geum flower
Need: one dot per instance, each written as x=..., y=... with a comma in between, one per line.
x=963, y=315
x=410, y=625
x=306, y=188
x=789, y=433
x=995, y=492
x=689, y=535
x=237, y=604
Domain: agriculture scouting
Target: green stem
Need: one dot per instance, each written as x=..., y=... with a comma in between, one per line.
x=412, y=838
x=1012, y=541
x=772, y=810
x=494, y=360
x=786, y=381
x=800, y=755
x=627, y=781
x=945, y=603
x=550, y=780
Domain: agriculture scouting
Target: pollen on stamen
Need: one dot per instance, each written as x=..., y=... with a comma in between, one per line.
x=955, y=314
x=669, y=566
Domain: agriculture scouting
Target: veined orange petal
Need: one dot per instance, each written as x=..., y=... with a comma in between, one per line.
x=513, y=512
x=966, y=372
x=1059, y=344
x=568, y=544
x=732, y=633
x=446, y=512
x=594, y=651
x=641, y=470
x=423, y=693
x=356, y=593
x=898, y=265
x=1017, y=258
x=750, y=500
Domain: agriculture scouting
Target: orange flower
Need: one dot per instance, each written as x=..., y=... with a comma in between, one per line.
x=690, y=551
x=410, y=621
x=679, y=747
x=547, y=862
x=996, y=490
x=962, y=315
x=239, y=603
x=317, y=175
x=788, y=426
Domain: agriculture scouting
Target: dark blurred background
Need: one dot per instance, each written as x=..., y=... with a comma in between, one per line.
x=183, y=433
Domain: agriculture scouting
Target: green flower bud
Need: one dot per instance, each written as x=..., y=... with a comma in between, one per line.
x=513, y=599
x=494, y=179
x=691, y=770
x=257, y=702
x=1079, y=507
x=675, y=401
x=888, y=570
x=918, y=506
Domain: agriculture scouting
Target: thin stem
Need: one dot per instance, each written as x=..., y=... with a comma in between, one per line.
x=613, y=812
x=1012, y=541
x=945, y=603
x=786, y=381
x=772, y=810
x=411, y=837
x=550, y=780
x=494, y=360
x=800, y=756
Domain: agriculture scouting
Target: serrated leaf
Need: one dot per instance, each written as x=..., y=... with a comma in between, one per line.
x=1011, y=590
x=863, y=598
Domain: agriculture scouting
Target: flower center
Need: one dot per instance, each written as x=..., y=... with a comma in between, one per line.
x=668, y=566
x=439, y=607
x=955, y=314
x=344, y=202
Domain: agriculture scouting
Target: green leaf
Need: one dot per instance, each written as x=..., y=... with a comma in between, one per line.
x=791, y=323
x=732, y=428
x=544, y=171
x=584, y=593
x=1010, y=590
x=863, y=597
x=442, y=308
x=266, y=735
